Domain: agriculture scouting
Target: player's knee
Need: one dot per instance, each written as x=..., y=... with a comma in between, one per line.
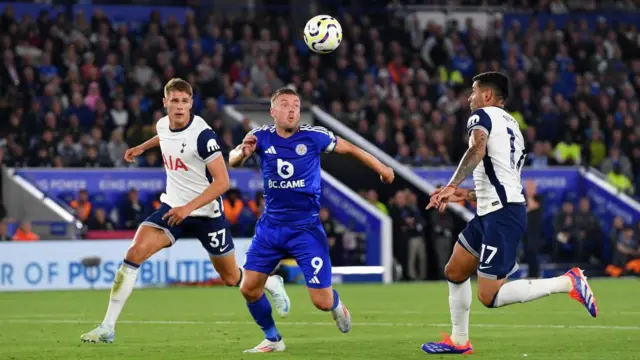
x=486, y=298
x=322, y=303
x=137, y=253
x=454, y=273
x=231, y=280
x=250, y=294
x=322, y=299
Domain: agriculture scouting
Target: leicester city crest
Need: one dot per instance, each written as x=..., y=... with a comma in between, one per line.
x=301, y=149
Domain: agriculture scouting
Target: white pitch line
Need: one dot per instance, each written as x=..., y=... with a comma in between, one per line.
x=328, y=323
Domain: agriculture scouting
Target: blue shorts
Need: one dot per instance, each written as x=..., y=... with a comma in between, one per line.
x=213, y=233
x=494, y=238
x=307, y=244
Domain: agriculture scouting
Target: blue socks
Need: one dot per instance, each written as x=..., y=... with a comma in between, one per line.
x=336, y=300
x=261, y=312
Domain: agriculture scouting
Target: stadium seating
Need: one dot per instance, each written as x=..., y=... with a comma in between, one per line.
x=402, y=86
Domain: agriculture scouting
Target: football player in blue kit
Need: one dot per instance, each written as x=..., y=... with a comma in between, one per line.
x=290, y=226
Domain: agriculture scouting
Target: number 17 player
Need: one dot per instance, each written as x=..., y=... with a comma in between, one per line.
x=290, y=161
x=490, y=241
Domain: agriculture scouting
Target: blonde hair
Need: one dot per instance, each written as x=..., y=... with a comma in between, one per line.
x=282, y=91
x=177, y=84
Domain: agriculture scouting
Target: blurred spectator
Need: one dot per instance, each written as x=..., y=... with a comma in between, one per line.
x=417, y=247
x=151, y=160
x=442, y=237
x=4, y=231
x=24, y=233
x=596, y=150
x=82, y=205
x=69, y=150
x=617, y=158
x=99, y=221
x=133, y=211
x=626, y=250
x=533, y=238
x=569, y=151
x=409, y=243
x=397, y=207
x=91, y=159
x=372, y=198
x=257, y=204
x=618, y=179
x=233, y=206
x=588, y=233
x=117, y=147
x=336, y=250
x=565, y=228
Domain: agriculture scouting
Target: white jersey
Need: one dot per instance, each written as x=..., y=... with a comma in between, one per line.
x=497, y=177
x=186, y=153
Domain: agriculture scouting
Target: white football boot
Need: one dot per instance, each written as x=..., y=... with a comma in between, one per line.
x=101, y=334
x=342, y=317
x=275, y=288
x=268, y=346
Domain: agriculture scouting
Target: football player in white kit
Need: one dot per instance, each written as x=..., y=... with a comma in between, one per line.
x=197, y=177
x=489, y=243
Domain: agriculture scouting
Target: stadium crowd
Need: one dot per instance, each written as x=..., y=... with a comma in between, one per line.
x=78, y=92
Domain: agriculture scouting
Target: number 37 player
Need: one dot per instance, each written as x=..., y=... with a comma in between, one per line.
x=290, y=161
x=196, y=179
x=489, y=243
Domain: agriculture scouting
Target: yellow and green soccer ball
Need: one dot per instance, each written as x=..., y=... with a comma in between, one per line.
x=323, y=34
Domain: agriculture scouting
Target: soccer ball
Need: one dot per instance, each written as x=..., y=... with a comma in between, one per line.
x=323, y=34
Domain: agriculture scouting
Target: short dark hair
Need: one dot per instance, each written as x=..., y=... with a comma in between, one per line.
x=497, y=81
x=282, y=91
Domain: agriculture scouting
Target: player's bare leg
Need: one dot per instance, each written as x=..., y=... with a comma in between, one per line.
x=496, y=293
x=462, y=264
x=228, y=269
x=327, y=299
x=252, y=288
x=232, y=275
x=147, y=241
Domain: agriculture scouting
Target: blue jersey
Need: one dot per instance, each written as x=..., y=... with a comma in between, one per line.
x=291, y=172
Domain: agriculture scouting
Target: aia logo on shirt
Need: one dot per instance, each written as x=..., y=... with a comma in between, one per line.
x=174, y=164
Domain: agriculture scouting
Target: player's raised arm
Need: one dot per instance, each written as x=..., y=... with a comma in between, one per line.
x=131, y=154
x=243, y=151
x=345, y=147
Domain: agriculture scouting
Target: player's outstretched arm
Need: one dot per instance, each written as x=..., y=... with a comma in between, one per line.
x=131, y=154
x=243, y=151
x=459, y=194
x=219, y=186
x=345, y=147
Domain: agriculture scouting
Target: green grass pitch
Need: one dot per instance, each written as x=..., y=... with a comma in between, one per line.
x=389, y=322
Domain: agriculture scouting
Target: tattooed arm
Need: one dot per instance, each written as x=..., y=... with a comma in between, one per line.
x=472, y=157
x=471, y=195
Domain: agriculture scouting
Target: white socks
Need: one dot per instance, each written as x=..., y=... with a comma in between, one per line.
x=459, y=306
x=123, y=284
x=520, y=291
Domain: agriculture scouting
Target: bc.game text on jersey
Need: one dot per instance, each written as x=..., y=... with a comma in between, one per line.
x=286, y=184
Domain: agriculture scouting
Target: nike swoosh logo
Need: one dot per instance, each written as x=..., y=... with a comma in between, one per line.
x=484, y=267
x=224, y=248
